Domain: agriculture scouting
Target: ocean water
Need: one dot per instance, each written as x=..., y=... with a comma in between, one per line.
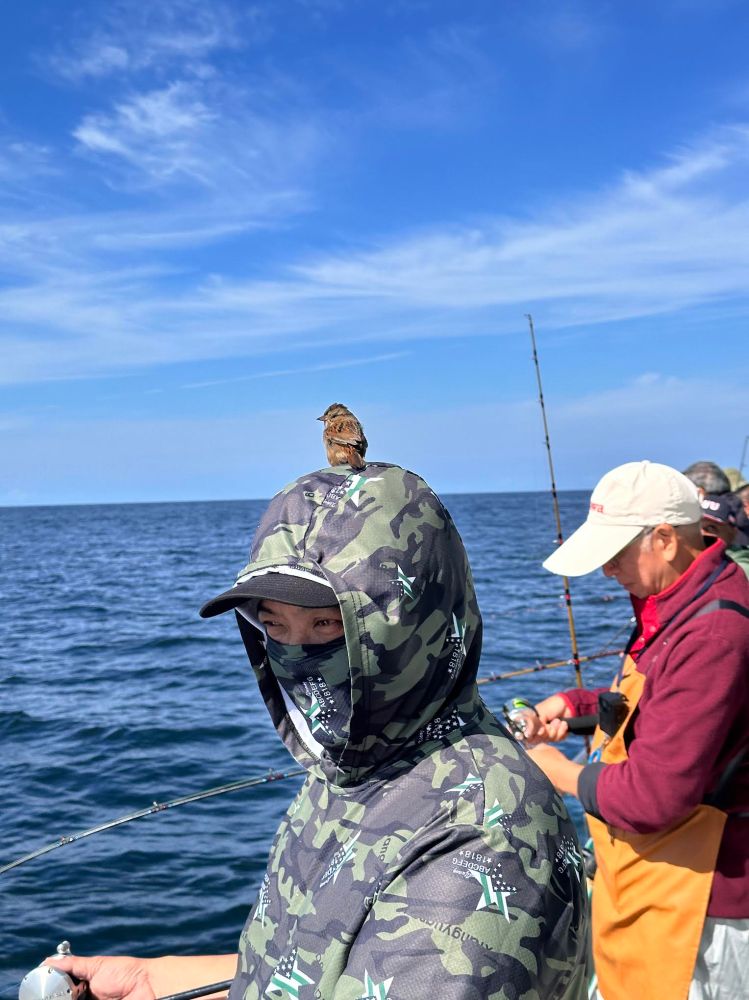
x=115, y=694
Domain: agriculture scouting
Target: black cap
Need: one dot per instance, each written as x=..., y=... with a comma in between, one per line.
x=287, y=588
x=718, y=507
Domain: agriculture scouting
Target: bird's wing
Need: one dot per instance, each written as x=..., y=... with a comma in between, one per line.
x=346, y=430
x=359, y=443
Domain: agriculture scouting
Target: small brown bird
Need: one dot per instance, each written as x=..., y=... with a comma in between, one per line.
x=343, y=437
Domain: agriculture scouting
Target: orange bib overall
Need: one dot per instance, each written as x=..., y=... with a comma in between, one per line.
x=651, y=890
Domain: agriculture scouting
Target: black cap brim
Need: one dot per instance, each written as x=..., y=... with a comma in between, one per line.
x=283, y=587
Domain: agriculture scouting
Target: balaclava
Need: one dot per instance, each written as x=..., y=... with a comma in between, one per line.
x=317, y=679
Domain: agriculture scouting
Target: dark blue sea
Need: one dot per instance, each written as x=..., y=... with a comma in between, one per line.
x=115, y=694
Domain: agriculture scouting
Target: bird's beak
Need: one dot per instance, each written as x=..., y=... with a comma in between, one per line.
x=321, y=418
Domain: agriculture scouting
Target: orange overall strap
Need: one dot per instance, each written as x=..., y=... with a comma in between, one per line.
x=651, y=890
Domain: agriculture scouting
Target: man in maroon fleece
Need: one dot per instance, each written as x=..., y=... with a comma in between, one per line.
x=666, y=789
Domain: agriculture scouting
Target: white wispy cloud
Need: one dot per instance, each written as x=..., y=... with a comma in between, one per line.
x=653, y=242
x=129, y=37
x=160, y=132
x=608, y=426
x=206, y=134
x=19, y=156
x=26, y=170
x=618, y=422
x=197, y=164
x=305, y=370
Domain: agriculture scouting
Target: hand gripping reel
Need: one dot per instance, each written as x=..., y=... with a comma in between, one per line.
x=46, y=983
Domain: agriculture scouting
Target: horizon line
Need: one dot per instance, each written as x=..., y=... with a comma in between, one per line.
x=143, y=503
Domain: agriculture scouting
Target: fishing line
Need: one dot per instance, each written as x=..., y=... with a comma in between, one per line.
x=621, y=629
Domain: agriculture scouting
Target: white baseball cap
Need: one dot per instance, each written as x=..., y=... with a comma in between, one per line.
x=631, y=497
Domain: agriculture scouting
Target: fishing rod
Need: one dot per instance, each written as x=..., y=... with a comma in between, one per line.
x=515, y=710
x=538, y=667
x=237, y=786
x=201, y=991
x=576, y=661
x=607, y=650
x=156, y=807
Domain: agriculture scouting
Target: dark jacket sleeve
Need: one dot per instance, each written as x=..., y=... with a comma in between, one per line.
x=582, y=701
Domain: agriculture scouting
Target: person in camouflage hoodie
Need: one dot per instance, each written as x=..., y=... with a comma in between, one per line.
x=425, y=855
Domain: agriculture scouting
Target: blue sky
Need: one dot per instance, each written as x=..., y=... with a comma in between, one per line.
x=216, y=218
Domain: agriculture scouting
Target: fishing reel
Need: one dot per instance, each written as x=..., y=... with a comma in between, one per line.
x=612, y=711
x=516, y=713
x=46, y=983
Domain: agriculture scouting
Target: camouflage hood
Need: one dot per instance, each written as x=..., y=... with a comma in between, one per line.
x=383, y=541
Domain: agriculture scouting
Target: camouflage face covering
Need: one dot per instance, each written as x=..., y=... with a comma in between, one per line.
x=427, y=857
x=317, y=679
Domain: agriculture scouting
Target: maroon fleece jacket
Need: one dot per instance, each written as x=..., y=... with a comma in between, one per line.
x=692, y=720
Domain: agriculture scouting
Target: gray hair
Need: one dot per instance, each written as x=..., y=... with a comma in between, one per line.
x=689, y=534
x=709, y=477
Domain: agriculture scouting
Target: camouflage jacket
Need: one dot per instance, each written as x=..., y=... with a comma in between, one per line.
x=432, y=859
